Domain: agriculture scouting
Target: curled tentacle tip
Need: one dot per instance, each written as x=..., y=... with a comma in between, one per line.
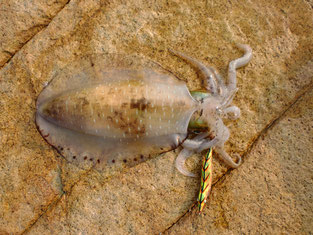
x=243, y=46
x=238, y=161
x=188, y=173
x=180, y=163
x=247, y=49
x=181, y=168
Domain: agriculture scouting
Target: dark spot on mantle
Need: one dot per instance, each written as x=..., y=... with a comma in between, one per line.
x=140, y=104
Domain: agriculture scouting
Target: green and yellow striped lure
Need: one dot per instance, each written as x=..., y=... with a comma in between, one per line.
x=206, y=180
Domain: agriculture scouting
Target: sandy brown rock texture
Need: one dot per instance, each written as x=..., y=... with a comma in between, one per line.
x=271, y=192
x=21, y=20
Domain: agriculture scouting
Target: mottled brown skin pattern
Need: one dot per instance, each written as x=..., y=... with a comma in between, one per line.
x=125, y=109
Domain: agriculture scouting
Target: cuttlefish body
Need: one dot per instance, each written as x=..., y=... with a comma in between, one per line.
x=114, y=112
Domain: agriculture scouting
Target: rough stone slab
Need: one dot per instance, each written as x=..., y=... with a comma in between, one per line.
x=20, y=20
x=143, y=200
x=41, y=193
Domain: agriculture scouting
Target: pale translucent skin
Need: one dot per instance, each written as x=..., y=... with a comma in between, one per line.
x=112, y=114
x=215, y=107
x=107, y=117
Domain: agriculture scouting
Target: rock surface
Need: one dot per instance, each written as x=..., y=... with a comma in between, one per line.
x=271, y=192
x=21, y=20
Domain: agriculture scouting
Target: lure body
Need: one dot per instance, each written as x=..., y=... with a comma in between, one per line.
x=114, y=112
x=206, y=180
